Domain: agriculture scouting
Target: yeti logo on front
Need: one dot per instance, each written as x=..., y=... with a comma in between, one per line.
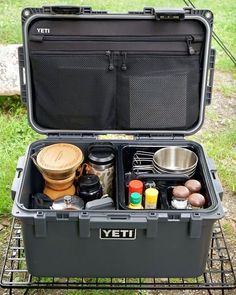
x=43, y=30
x=117, y=234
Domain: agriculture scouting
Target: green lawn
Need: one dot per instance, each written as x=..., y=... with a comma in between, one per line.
x=224, y=11
x=15, y=134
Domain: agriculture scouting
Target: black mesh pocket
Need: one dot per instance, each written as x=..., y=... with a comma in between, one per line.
x=159, y=92
x=73, y=91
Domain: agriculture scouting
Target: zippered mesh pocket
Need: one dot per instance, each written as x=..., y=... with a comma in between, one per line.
x=73, y=91
x=158, y=92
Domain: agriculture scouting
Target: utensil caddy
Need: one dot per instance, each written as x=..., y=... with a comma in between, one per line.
x=87, y=73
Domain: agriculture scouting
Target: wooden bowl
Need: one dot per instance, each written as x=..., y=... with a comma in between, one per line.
x=54, y=195
x=59, y=184
x=59, y=161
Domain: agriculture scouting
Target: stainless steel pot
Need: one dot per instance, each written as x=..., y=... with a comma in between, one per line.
x=175, y=160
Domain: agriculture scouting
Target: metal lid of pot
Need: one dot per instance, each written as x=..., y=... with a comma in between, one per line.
x=68, y=203
x=60, y=157
x=102, y=157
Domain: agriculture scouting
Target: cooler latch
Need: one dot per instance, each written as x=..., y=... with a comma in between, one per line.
x=72, y=135
x=210, y=76
x=40, y=226
x=170, y=14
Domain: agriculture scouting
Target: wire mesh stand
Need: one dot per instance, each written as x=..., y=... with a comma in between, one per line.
x=219, y=274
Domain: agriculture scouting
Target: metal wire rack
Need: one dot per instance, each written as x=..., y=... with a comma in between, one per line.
x=219, y=273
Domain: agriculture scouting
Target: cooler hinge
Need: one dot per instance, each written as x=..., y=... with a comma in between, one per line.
x=159, y=137
x=210, y=76
x=73, y=135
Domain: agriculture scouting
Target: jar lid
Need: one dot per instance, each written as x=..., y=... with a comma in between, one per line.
x=193, y=185
x=101, y=156
x=68, y=203
x=181, y=192
x=135, y=198
x=88, y=181
x=196, y=200
x=59, y=157
x=135, y=185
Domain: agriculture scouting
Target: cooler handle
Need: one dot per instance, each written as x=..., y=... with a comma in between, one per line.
x=21, y=62
x=216, y=181
x=119, y=223
x=18, y=176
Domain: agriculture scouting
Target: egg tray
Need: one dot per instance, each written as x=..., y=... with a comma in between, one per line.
x=219, y=274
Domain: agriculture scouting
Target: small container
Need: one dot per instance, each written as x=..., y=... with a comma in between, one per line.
x=179, y=204
x=68, y=203
x=196, y=201
x=89, y=187
x=193, y=185
x=135, y=186
x=180, y=192
x=135, y=201
x=101, y=163
x=151, y=196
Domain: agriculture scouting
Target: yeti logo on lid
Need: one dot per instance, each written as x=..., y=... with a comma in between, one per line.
x=43, y=30
x=117, y=234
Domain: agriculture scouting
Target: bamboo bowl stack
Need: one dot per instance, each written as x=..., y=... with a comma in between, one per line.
x=58, y=164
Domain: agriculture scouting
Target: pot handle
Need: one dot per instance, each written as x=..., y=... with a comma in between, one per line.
x=33, y=158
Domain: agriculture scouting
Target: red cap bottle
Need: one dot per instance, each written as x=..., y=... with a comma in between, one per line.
x=135, y=186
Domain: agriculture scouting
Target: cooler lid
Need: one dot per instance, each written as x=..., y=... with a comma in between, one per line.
x=95, y=72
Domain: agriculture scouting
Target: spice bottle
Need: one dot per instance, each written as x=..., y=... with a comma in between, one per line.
x=180, y=195
x=135, y=201
x=135, y=186
x=196, y=201
x=151, y=196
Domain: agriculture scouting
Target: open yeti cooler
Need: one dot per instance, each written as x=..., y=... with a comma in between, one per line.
x=148, y=74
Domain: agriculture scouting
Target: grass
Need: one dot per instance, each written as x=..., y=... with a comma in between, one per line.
x=15, y=135
x=221, y=147
x=228, y=228
x=224, y=14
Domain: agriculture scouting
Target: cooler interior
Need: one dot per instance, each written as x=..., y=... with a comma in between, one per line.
x=33, y=181
x=164, y=182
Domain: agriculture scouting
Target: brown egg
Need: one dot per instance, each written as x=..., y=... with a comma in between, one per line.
x=196, y=200
x=193, y=185
x=180, y=192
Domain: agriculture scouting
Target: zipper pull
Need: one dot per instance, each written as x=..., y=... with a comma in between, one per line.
x=189, y=40
x=111, y=61
x=123, y=65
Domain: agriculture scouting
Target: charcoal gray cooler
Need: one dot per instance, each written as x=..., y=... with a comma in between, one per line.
x=86, y=73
